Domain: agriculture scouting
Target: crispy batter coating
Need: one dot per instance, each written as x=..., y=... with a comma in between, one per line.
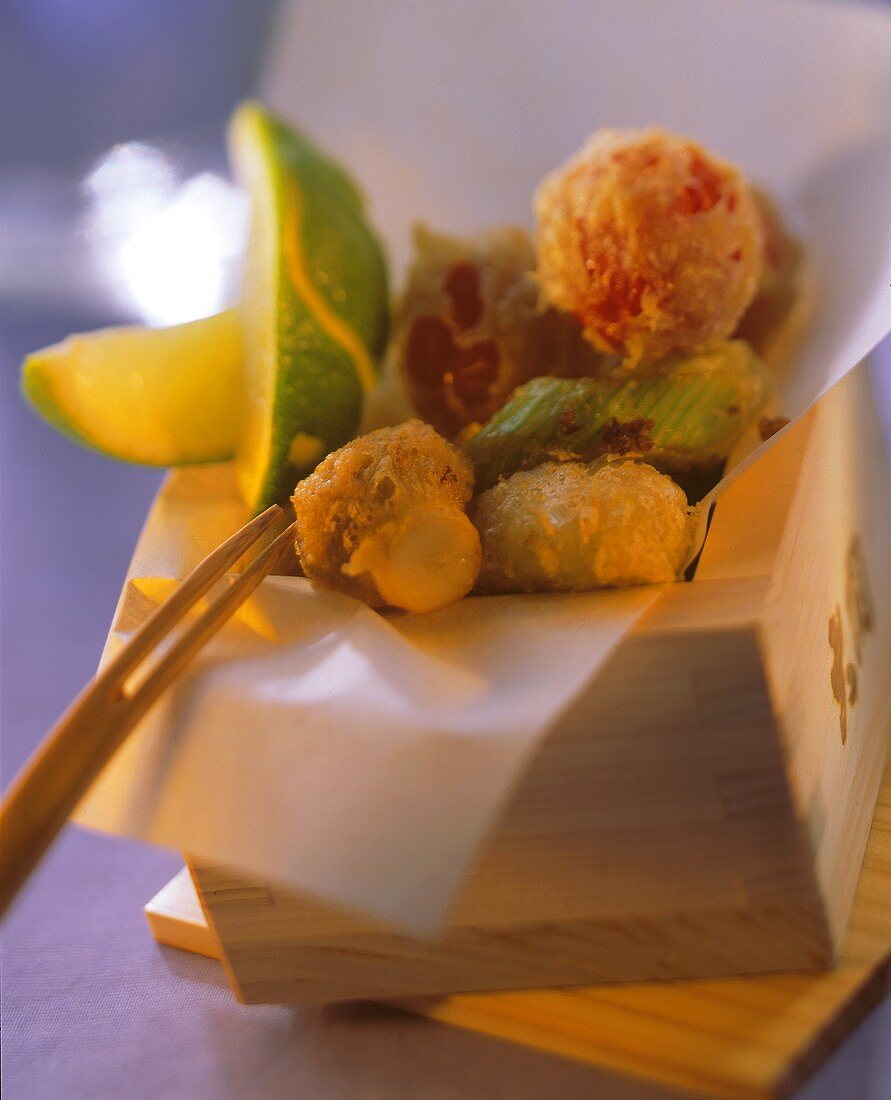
x=687, y=414
x=652, y=243
x=383, y=519
x=470, y=328
x=572, y=527
x=782, y=303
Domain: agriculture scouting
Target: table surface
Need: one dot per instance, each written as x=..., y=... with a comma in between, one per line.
x=91, y=1006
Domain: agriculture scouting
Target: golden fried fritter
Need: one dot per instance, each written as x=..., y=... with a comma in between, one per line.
x=652, y=243
x=383, y=519
x=571, y=527
x=470, y=328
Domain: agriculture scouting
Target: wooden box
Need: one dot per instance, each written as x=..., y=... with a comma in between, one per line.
x=749, y=1037
x=703, y=810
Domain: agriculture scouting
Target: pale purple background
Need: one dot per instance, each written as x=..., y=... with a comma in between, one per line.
x=91, y=1006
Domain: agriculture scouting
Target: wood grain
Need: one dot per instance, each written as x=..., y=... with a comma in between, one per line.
x=176, y=918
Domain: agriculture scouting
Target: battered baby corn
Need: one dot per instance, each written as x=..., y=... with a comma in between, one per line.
x=383, y=519
x=652, y=243
x=571, y=527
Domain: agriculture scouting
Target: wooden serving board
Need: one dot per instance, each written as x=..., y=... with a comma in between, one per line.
x=729, y=1038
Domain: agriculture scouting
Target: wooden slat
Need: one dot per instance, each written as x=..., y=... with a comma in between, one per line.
x=176, y=919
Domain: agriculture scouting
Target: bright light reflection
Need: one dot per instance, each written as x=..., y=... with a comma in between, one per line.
x=131, y=182
x=171, y=247
x=176, y=261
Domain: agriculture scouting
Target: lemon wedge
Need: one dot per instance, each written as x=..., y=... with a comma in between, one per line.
x=155, y=396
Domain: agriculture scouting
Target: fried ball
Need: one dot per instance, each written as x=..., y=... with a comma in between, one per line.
x=383, y=519
x=652, y=243
x=470, y=328
x=571, y=527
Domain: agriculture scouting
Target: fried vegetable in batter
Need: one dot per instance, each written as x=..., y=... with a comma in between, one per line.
x=384, y=519
x=686, y=414
x=571, y=527
x=781, y=303
x=651, y=242
x=575, y=375
x=470, y=328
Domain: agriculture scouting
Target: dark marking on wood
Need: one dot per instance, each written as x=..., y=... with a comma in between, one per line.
x=837, y=676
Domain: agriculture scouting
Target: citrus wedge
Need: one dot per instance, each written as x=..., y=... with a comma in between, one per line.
x=314, y=307
x=156, y=396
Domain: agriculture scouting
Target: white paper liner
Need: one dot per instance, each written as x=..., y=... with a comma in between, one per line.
x=362, y=758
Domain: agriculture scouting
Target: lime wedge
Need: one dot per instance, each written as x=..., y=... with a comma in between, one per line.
x=157, y=396
x=314, y=307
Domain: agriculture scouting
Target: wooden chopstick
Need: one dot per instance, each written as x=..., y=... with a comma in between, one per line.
x=43, y=795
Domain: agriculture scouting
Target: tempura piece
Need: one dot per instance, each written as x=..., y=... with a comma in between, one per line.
x=469, y=328
x=684, y=415
x=782, y=303
x=383, y=519
x=570, y=527
x=652, y=243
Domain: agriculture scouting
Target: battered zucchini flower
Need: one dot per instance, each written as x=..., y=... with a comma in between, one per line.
x=571, y=527
x=653, y=244
x=383, y=519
